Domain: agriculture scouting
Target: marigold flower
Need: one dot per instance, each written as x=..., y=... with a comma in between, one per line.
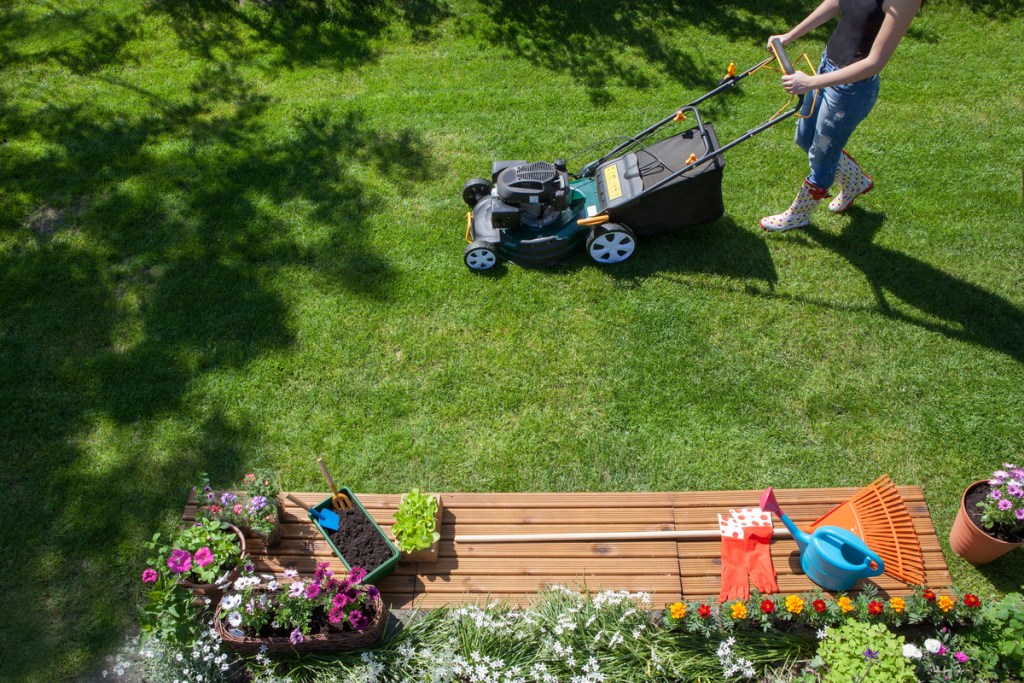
x=739, y=610
x=875, y=607
x=971, y=600
x=704, y=611
x=929, y=595
x=794, y=604
x=768, y=606
x=845, y=604
x=677, y=610
x=819, y=605
x=898, y=605
x=945, y=603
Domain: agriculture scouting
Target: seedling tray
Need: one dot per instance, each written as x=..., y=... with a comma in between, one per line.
x=382, y=570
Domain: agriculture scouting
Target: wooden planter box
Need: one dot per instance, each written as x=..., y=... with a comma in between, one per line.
x=427, y=554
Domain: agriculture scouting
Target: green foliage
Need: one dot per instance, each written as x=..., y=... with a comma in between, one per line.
x=1001, y=642
x=221, y=541
x=860, y=652
x=170, y=612
x=255, y=510
x=415, y=526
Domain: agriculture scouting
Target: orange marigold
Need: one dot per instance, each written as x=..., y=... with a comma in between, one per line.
x=794, y=604
x=898, y=604
x=739, y=610
x=846, y=604
x=945, y=603
x=677, y=610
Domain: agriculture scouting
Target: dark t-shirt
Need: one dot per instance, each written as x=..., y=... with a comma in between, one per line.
x=858, y=27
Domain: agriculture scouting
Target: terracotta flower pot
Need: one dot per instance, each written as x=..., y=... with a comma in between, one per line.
x=214, y=591
x=970, y=541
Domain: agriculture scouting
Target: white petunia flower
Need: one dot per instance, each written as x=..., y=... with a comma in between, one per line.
x=932, y=645
x=911, y=651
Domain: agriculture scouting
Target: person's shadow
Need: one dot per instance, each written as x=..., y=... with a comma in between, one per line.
x=949, y=305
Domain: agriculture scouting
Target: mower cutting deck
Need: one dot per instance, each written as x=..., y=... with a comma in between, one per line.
x=537, y=213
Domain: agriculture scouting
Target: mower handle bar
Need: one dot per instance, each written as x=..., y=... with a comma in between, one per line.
x=779, y=54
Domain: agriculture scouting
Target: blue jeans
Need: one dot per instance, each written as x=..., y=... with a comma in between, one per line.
x=838, y=110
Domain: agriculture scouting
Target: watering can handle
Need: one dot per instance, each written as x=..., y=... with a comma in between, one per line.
x=872, y=556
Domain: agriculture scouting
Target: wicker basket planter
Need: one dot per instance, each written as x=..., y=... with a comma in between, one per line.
x=970, y=541
x=214, y=591
x=320, y=642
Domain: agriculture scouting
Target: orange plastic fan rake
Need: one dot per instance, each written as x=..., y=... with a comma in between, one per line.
x=878, y=515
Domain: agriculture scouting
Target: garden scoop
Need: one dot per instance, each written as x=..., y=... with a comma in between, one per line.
x=339, y=501
x=328, y=519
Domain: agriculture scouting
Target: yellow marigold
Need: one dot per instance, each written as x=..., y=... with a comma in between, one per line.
x=677, y=610
x=945, y=603
x=794, y=604
x=739, y=610
x=846, y=604
x=898, y=604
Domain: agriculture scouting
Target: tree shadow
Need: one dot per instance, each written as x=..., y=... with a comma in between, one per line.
x=965, y=311
x=1001, y=10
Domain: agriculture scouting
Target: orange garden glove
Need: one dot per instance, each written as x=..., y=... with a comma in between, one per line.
x=734, y=570
x=758, y=554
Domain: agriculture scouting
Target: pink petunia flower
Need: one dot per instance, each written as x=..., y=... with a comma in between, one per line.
x=203, y=556
x=149, y=575
x=960, y=657
x=296, y=637
x=180, y=561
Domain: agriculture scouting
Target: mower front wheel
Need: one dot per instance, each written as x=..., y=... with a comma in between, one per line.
x=474, y=190
x=480, y=255
x=610, y=243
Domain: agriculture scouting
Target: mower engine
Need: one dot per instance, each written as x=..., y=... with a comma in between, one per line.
x=531, y=194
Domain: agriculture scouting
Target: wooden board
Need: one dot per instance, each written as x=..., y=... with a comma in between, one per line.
x=667, y=570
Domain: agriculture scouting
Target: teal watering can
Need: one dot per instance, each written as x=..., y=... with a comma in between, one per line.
x=832, y=557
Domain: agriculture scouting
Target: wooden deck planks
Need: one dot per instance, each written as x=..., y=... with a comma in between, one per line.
x=514, y=571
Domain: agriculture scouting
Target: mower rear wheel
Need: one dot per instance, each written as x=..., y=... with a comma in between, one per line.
x=474, y=190
x=610, y=243
x=480, y=255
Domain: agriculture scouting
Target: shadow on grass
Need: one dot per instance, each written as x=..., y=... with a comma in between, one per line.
x=964, y=312
x=139, y=265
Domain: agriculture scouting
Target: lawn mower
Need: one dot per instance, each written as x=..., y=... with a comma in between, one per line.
x=537, y=213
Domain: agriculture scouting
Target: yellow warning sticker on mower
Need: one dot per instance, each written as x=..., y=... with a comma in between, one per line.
x=611, y=182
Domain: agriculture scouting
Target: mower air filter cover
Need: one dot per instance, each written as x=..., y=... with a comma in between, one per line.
x=535, y=183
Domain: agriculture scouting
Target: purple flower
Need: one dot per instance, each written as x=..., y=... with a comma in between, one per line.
x=296, y=589
x=1000, y=474
x=203, y=556
x=336, y=615
x=1005, y=504
x=1015, y=490
x=372, y=592
x=960, y=657
x=296, y=637
x=312, y=590
x=257, y=503
x=357, y=574
x=358, y=620
x=180, y=561
x=1019, y=514
x=149, y=575
x=870, y=654
x=227, y=498
x=322, y=570
x=996, y=493
x=210, y=496
x=340, y=600
x=942, y=650
x=249, y=567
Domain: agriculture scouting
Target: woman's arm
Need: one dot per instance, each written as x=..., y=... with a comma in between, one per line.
x=898, y=15
x=827, y=10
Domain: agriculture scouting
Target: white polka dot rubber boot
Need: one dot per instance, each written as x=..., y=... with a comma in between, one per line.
x=852, y=181
x=798, y=214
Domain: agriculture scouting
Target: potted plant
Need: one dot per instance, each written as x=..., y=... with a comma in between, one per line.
x=289, y=613
x=991, y=518
x=195, y=564
x=417, y=526
x=253, y=506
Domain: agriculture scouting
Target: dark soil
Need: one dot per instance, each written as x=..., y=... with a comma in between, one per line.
x=1003, y=532
x=359, y=541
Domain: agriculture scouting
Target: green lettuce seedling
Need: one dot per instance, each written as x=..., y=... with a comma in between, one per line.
x=414, y=526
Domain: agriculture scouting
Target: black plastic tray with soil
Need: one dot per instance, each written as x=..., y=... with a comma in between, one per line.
x=1004, y=532
x=359, y=541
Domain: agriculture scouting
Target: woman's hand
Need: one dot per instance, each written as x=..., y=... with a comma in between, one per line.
x=784, y=37
x=798, y=83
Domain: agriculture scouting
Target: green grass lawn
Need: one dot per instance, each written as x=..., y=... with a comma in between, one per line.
x=232, y=235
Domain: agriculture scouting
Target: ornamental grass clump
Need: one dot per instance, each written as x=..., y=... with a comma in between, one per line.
x=1003, y=507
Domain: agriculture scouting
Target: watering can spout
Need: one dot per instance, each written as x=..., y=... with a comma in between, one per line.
x=770, y=504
